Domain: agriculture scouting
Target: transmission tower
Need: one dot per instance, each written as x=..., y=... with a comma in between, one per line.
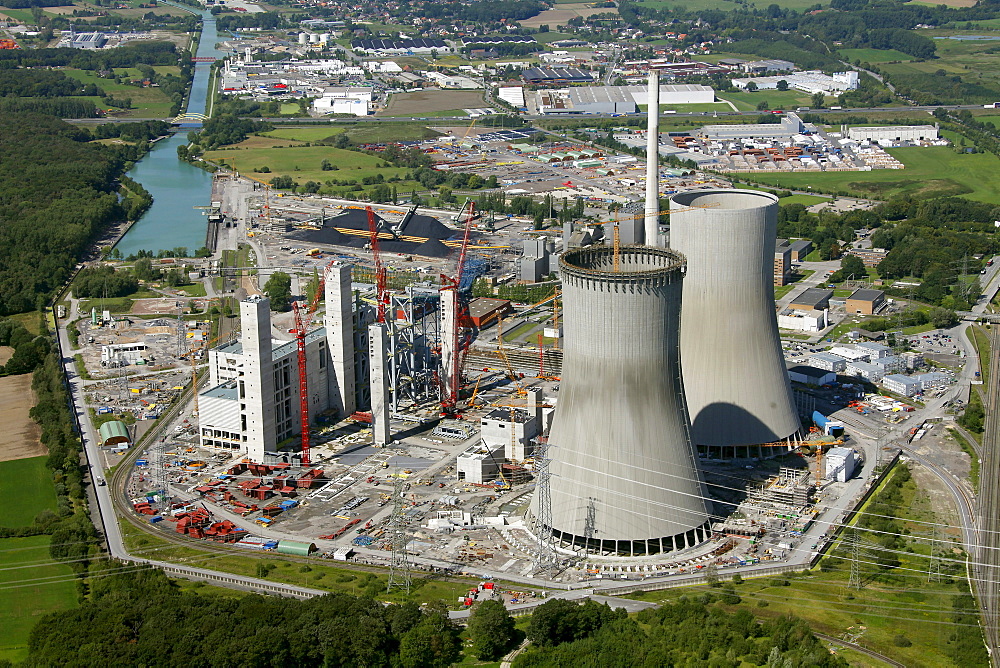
x=544, y=557
x=399, y=567
x=934, y=567
x=854, y=543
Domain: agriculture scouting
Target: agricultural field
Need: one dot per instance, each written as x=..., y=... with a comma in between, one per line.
x=433, y=103
x=32, y=586
x=20, y=433
x=873, y=55
x=930, y=171
x=561, y=14
x=146, y=102
x=25, y=490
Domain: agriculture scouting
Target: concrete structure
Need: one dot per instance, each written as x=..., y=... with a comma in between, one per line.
x=875, y=350
x=378, y=377
x=624, y=476
x=902, y=385
x=803, y=321
x=652, y=210
x=480, y=463
x=801, y=248
x=932, y=380
x=121, y=354
x=840, y=463
x=782, y=263
x=865, y=370
x=675, y=93
x=865, y=302
x=869, y=256
x=828, y=362
x=808, y=375
x=252, y=400
x=893, y=133
x=912, y=359
x=512, y=430
x=734, y=375
x=811, y=299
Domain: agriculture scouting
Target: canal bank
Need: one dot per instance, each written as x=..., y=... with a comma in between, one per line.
x=177, y=187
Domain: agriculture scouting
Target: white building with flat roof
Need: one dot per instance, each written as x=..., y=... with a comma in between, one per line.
x=902, y=385
x=840, y=463
x=882, y=134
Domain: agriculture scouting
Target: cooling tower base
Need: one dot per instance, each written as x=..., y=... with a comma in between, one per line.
x=730, y=452
x=633, y=548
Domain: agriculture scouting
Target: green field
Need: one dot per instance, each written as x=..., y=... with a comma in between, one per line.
x=146, y=102
x=21, y=15
x=725, y=5
x=309, y=134
x=776, y=99
x=32, y=586
x=808, y=200
x=936, y=170
x=25, y=490
x=873, y=55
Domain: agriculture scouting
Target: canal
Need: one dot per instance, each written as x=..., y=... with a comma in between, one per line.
x=176, y=186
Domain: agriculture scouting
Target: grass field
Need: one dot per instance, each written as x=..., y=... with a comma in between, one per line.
x=901, y=602
x=873, y=55
x=25, y=490
x=146, y=102
x=808, y=200
x=431, y=102
x=776, y=99
x=724, y=5
x=303, y=163
x=33, y=586
x=937, y=170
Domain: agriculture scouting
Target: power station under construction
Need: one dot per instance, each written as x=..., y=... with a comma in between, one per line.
x=657, y=359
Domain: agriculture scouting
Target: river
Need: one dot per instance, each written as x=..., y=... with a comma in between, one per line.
x=176, y=186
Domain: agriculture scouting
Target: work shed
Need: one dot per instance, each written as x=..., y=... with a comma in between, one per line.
x=114, y=432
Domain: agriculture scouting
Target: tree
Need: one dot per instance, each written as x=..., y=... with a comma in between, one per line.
x=751, y=87
x=492, y=630
x=279, y=290
x=782, y=85
x=818, y=98
x=763, y=105
x=851, y=267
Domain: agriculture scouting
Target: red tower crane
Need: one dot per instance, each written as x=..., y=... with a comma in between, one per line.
x=449, y=400
x=300, y=344
x=381, y=291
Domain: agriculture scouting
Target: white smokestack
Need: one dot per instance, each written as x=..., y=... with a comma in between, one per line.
x=652, y=226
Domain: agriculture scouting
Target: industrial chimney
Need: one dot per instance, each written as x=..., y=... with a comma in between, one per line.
x=624, y=478
x=652, y=226
x=737, y=388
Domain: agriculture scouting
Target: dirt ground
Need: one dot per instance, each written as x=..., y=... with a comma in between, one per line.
x=5, y=354
x=163, y=306
x=19, y=438
x=565, y=12
x=428, y=101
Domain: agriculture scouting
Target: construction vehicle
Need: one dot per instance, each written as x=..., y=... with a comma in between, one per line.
x=449, y=395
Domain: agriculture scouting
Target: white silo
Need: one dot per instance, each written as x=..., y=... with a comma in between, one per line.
x=314, y=39
x=624, y=478
x=303, y=38
x=324, y=38
x=738, y=393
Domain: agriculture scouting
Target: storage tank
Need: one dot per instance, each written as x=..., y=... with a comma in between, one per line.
x=623, y=473
x=303, y=38
x=738, y=393
x=314, y=39
x=324, y=38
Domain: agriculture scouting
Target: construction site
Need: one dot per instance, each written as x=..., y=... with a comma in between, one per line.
x=594, y=424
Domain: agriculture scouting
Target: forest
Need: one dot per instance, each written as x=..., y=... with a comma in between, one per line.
x=140, y=618
x=130, y=55
x=56, y=192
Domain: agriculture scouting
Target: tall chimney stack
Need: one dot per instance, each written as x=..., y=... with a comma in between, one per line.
x=652, y=221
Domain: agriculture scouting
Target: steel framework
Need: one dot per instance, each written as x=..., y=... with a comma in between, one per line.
x=399, y=567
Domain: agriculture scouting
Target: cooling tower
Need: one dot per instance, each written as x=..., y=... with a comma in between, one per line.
x=734, y=372
x=623, y=473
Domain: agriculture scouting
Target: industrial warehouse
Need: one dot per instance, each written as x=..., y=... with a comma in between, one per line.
x=455, y=392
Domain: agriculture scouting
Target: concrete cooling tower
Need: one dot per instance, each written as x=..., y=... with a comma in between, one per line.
x=737, y=388
x=624, y=478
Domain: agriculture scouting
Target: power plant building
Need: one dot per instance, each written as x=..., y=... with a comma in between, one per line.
x=624, y=478
x=252, y=402
x=738, y=393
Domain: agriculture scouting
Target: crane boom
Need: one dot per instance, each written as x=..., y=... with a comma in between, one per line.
x=381, y=291
x=300, y=345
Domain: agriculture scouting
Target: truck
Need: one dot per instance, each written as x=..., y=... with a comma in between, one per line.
x=992, y=105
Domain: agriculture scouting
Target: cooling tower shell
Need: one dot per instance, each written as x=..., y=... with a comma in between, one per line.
x=623, y=474
x=734, y=372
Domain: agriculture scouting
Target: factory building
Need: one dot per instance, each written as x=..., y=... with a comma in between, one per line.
x=803, y=321
x=252, y=400
x=89, y=40
x=808, y=82
x=808, y=375
x=624, y=475
x=738, y=393
x=675, y=94
x=840, y=464
x=865, y=302
x=789, y=126
x=892, y=134
x=811, y=299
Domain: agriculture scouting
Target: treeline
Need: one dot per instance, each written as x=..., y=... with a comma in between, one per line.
x=104, y=281
x=226, y=129
x=166, y=627
x=264, y=20
x=59, y=107
x=29, y=350
x=484, y=12
x=685, y=633
x=42, y=83
x=139, y=131
x=130, y=55
x=56, y=192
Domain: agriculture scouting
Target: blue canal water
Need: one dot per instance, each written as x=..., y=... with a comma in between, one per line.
x=176, y=186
